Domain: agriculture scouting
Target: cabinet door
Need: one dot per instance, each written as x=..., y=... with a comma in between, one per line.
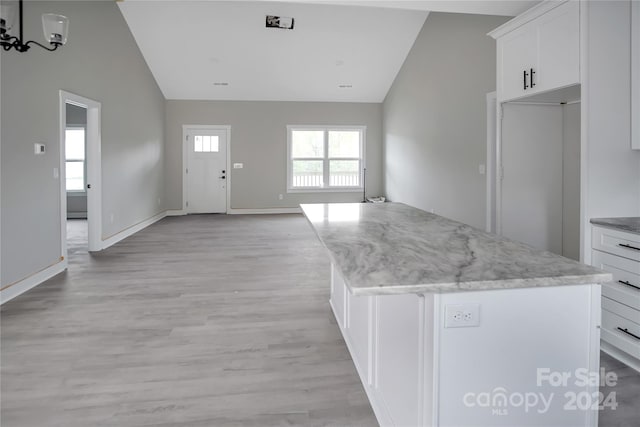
x=558, y=48
x=517, y=54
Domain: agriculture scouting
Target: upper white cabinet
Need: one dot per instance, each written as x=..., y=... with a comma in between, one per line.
x=539, y=51
x=635, y=73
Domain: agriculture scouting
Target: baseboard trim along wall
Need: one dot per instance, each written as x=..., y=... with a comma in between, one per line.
x=110, y=241
x=265, y=211
x=18, y=288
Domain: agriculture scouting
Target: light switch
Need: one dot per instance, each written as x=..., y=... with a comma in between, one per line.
x=238, y=165
x=39, y=148
x=482, y=169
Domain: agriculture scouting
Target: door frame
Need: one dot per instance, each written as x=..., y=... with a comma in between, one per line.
x=185, y=158
x=93, y=161
x=493, y=164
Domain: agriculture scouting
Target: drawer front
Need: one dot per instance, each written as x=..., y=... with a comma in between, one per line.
x=625, y=287
x=621, y=310
x=616, y=242
x=613, y=327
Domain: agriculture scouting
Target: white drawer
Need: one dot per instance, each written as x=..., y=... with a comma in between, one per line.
x=616, y=242
x=625, y=287
x=624, y=311
x=613, y=327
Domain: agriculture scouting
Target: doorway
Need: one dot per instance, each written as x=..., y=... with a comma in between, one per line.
x=75, y=148
x=80, y=174
x=205, y=178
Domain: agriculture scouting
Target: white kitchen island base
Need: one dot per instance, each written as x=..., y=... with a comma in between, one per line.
x=531, y=360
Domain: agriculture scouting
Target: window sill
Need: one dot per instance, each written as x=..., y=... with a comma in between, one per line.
x=325, y=190
x=76, y=193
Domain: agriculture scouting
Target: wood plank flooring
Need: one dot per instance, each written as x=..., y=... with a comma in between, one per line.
x=204, y=320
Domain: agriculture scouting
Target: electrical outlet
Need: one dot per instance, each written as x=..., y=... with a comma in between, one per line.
x=280, y=197
x=462, y=315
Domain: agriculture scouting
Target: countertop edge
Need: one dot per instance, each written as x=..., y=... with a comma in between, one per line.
x=511, y=284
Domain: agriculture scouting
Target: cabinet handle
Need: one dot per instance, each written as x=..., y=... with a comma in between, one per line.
x=524, y=79
x=626, y=331
x=625, y=282
x=531, y=78
x=624, y=245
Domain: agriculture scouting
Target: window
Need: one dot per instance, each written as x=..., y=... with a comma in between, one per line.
x=75, y=159
x=206, y=144
x=325, y=158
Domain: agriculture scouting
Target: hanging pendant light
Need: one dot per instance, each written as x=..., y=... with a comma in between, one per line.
x=55, y=27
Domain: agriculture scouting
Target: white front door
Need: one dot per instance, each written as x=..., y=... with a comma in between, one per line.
x=206, y=171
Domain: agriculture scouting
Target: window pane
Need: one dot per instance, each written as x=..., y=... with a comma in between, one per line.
x=197, y=144
x=215, y=144
x=344, y=173
x=307, y=173
x=75, y=176
x=307, y=143
x=74, y=144
x=344, y=143
x=206, y=144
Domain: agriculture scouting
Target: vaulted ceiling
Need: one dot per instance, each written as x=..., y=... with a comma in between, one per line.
x=346, y=51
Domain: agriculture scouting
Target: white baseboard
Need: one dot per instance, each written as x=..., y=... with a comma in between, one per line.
x=132, y=230
x=22, y=286
x=265, y=211
x=176, y=212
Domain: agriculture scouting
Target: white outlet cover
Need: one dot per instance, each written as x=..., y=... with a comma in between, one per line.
x=238, y=165
x=461, y=315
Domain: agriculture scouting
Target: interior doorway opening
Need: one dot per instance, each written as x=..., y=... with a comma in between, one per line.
x=80, y=175
x=75, y=149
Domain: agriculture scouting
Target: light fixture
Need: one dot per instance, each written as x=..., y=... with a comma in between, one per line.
x=56, y=28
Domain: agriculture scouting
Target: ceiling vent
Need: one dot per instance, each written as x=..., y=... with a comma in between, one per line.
x=281, y=22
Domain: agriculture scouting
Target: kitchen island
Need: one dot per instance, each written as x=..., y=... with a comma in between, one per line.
x=448, y=325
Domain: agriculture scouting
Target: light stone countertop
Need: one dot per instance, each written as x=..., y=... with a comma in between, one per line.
x=628, y=224
x=392, y=248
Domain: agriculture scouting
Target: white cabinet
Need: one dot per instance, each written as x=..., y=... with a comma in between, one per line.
x=619, y=253
x=539, y=51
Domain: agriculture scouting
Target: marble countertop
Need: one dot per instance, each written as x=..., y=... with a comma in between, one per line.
x=392, y=248
x=628, y=224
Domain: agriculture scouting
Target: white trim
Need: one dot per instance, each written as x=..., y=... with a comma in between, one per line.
x=132, y=230
x=325, y=160
x=185, y=130
x=93, y=158
x=526, y=16
x=176, y=212
x=266, y=211
x=490, y=169
x=22, y=286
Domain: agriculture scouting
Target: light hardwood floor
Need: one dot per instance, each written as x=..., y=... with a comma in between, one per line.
x=205, y=320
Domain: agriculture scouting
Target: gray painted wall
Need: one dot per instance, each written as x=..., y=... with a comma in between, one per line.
x=101, y=61
x=612, y=167
x=76, y=201
x=435, y=118
x=259, y=140
x=571, y=181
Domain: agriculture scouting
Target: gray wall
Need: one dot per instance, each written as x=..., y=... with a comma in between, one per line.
x=612, y=167
x=101, y=61
x=435, y=118
x=571, y=181
x=259, y=140
x=76, y=201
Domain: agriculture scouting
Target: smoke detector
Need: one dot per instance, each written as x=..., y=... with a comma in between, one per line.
x=281, y=22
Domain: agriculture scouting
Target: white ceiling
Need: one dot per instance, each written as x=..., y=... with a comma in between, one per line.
x=191, y=45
